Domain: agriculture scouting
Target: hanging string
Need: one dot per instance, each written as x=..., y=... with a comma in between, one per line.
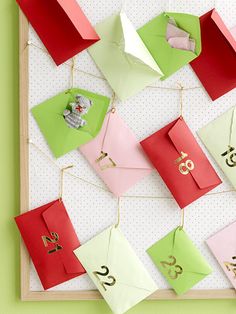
x=72, y=72
x=181, y=88
x=113, y=104
x=62, y=181
x=118, y=213
x=182, y=219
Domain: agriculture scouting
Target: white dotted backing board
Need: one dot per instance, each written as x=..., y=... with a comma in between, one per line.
x=143, y=221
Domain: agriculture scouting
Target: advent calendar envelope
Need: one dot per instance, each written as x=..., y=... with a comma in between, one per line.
x=115, y=269
x=122, y=57
x=59, y=136
x=215, y=67
x=154, y=35
x=181, y=162
x=219, y=137
x=179, y=261
x=61, y=25
x=116, y=155
x=50, y=239
x=223, y=247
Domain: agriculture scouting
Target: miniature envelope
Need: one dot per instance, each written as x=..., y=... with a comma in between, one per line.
x=181, y=162
x=179, y=261
x=61, y=25
x=60, y=137
x=219, y=137
x=115, y=269
x=116, y=155
x=216, y=65
x=50, y=239
x=223, y=247
x=168, y=58
x=122, y=57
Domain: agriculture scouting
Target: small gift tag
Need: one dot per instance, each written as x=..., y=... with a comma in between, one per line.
x=115, y=269
x=223, y=247
x=179, y=260
x=219, y=137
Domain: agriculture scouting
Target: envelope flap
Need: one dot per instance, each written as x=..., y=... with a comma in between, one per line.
x=184, y=141
x=57, y=220
x=78, y=19
x=187, y=255
x=122, y=146
x=223, y=29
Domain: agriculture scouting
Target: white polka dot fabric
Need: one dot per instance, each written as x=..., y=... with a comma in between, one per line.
x=143, y=221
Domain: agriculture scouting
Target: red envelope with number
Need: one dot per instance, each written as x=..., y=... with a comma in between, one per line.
x=51, y=239
x=181, y=163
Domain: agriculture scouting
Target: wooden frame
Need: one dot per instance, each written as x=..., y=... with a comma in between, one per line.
x=26, y=294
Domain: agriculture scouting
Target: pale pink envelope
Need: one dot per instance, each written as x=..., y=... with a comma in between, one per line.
x=123, y=162
x=233, y=31
x=223, y=247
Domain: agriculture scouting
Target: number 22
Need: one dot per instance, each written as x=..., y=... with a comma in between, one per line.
x=173, y=274
x=105, y=274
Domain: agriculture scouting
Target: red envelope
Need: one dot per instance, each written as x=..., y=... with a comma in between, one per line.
x=51, y=239
x=216, y=65
x=61, y=25
x=181, y=162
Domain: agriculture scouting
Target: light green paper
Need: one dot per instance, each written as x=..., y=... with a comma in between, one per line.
x=217, y=136
x=60, y=138
x=177, y=244
x=122, y=57
x=170, y=59
x=133, y=283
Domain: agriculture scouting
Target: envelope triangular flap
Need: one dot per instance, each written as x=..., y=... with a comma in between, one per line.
x=183, y=140
x=189, y=257
x=57, y=220
x=122, y=146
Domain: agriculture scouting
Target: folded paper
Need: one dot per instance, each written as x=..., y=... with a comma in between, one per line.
x=115, y=269
x=181, y=163
x=61, y=25
x=219, y=137
x=116, y=155
x=167, y=44
x=60, y=137
x=179, y=261
x=223, y=247
x=50, y=239
x=215, y=67
x=122, y=57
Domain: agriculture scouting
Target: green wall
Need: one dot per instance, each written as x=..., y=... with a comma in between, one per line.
x=9, y=174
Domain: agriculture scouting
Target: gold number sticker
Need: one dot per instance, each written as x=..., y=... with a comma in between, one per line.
x=173, y=273
x=99, y=274
x=54, y=239
x=231, y=266
x=230, y=162
x=184, y=167
x=110, y=163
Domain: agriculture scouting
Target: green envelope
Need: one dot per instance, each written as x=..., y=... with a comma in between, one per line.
x=60, y=138
x=170, y=59
x=179, y=260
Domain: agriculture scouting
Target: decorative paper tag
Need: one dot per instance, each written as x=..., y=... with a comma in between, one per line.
x=181, y=162
x=223, y=247
x=50, y=239
x=114, y=268
x=219, y=137
x=54, y=125
x=179, y=261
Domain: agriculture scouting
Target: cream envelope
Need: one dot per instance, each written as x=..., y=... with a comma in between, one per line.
x=116, y=155
x=219, y=137
x=115, y=269
x=122, y=56
x=223, y=247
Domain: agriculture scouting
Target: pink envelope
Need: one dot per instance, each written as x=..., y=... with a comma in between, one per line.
x=223, y=247
x=116, y=155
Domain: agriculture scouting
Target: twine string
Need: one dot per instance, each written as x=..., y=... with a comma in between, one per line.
x=182, y=219
x=72, y=72
x=118, y=213
x=181, y=88
x=62, y=181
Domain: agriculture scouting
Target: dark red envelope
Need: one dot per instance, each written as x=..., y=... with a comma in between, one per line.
x=61, y=25
x=216, y=65
x=173, y=150
x=51, y=239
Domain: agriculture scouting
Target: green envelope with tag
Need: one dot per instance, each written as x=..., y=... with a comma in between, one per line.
x=59, y=136
x=179, y=261
x=168, y=58
x=122, y=57
x=114, y=268
x=219, y=137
